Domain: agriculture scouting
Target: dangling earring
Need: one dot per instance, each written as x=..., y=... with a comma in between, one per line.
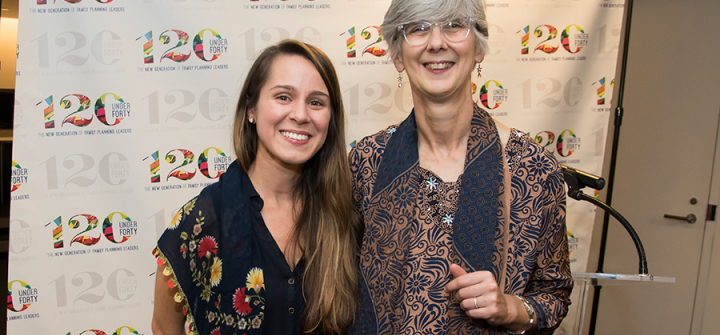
x=251, y=119
x=479, y=71
x=399, y=79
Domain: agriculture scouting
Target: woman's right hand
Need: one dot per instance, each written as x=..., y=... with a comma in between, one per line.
x=479, y=296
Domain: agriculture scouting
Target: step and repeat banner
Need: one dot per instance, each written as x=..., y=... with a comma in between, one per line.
x=124, y=111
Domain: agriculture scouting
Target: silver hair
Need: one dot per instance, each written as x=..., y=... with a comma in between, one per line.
x=407, y=11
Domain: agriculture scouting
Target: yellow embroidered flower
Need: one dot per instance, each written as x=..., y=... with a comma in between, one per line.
x=216, y=272
x=255, y=280
x=175, y=220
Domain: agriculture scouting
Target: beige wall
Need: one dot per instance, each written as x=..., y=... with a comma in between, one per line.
x=670, y=46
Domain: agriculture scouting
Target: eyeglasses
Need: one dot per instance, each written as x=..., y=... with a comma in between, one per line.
x=455, y=30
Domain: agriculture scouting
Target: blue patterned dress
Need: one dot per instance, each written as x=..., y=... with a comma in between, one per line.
x=416, y=225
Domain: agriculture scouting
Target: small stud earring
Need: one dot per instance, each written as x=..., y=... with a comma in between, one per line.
x=399, y=79
x=251, y=119
x=479, y=71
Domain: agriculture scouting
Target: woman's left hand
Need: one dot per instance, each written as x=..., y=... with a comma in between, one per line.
x=479, y=296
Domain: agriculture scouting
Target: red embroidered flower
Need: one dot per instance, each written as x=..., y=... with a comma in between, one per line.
x=208, y=246
x=215, y=331
x=241, y=304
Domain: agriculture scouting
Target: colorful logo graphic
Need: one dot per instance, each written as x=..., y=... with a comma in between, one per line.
x=524, y=39
x=119, y=109
x=548, y=44
x=119, y=331
x=45, y=2
x=573, y=242
x=601, y=92
x=206, y=51
x=366, y=34
x=580, y=39
x=19, y=176
x=499, y=94
x=26, y=295
x=565, y=145
x=211, y=159
x=126, y=228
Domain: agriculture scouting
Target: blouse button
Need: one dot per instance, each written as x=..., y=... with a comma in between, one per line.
x=291, y=310
x=291, y=281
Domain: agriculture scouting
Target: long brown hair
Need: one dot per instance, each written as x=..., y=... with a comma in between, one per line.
x=327, y=224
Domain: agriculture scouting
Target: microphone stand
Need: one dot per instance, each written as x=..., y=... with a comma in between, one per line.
x=619, y=111
x=576, y=180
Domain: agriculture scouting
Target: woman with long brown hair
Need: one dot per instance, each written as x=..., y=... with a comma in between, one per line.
x=272, y=247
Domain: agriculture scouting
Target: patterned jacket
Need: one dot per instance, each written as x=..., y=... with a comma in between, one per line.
x=516, y=233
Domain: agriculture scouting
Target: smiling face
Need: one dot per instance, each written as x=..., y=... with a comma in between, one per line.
x=439, y=69
x=292, y=113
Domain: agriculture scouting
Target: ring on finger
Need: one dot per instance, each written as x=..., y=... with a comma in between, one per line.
x=475, y=302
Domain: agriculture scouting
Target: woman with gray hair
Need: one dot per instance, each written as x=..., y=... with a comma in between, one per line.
x=464, y=217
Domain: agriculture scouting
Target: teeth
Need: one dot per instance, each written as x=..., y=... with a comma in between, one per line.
x=294, y=136
x=438, y=66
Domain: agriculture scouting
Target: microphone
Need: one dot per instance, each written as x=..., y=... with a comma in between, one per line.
x=577, y=179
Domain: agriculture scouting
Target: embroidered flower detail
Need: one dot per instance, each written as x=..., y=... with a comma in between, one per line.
x=417, y=283
x=192, y=264
x=385, y=284
x=216, y=272
x=215, y=331
x=206, y=293
x=538, y=166
x=197, y=229
x=208, y=247
x=229, y=320
x=403, y=197
x=392, y=130
x=211, y=316
x=175, y=221
x=242, y=324
x=241, y=304
x=192, y=245
x=448, y=219
x=431, y=183
x=255, y=280
x=183, y=250
x=189, y=206
x=256, y=322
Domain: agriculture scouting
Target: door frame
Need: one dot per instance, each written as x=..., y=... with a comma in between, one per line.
x=709, y=255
